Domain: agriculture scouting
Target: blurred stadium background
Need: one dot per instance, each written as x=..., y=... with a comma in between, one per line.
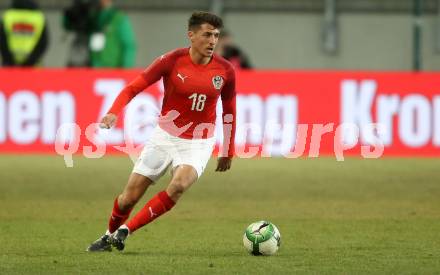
x=370, y=34
x=315, y=62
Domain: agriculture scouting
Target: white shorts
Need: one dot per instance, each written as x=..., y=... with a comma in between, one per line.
x=163, y=150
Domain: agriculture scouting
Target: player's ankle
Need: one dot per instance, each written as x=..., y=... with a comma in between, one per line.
x=124, y=226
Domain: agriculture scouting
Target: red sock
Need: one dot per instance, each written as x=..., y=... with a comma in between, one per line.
x=157, y=206
x=118, y=217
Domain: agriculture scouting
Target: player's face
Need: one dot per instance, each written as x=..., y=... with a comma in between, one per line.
x=204, y=39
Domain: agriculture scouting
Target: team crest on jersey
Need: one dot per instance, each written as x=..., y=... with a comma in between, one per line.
x=217, y=81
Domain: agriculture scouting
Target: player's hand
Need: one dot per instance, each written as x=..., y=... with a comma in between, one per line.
x=223, y=164
x=108, y=121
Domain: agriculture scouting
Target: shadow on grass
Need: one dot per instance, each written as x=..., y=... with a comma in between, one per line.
x=199, y=254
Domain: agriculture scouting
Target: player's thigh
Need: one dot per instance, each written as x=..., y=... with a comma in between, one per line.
x=153, y=160
x=195, y=154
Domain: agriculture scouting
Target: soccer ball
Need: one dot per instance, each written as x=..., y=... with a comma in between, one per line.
x=262, y=238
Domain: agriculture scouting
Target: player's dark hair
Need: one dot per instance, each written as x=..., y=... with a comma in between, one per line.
x=225, y=33
x=201, y=17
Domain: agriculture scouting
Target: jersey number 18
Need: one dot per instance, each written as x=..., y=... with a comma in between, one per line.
x=198, y=101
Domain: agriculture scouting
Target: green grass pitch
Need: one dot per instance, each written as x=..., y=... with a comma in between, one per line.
x=353, y=217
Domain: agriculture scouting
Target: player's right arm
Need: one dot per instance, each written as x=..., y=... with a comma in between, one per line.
x=125, y=96
x=159, y=68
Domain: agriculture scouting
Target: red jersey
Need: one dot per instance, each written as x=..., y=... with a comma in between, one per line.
x=191, y=94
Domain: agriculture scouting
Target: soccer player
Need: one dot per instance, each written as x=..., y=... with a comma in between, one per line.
x=194, y=78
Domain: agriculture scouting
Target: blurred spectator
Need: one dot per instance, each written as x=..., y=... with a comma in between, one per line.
x=104, y=36
x=79, y=19
x=112, y=44
x=232, y=52
x=23, y=34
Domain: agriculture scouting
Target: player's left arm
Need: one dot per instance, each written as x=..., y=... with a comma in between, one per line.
x=229, y=117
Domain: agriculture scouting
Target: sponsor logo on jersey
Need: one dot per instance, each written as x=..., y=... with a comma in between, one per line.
x=182, y=77
x=217, y=81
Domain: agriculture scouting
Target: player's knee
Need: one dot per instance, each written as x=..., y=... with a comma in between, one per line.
x=177, y=186
x=127, y=201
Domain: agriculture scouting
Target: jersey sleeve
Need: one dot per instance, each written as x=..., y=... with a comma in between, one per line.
x=229, y=113
x=159, y=68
